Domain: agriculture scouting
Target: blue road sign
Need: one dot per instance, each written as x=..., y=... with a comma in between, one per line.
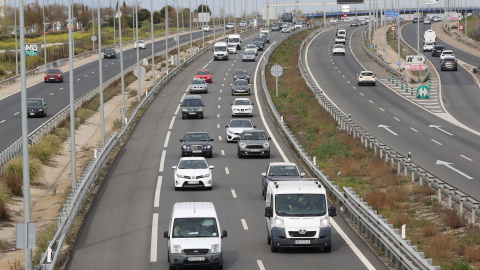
x=399, y=63
x=391, y=13
x=371, y=46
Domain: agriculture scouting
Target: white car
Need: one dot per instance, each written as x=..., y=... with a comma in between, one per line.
x=338, y=49
x=230, y=26
x=242, y=106
x=232, y=48
x=333, y=20
x=298, y=24
x=242, y=24
x=193, y=172
x=286, y=29
x=447, y=54
x=141, y=44
x=206, y=28
x=251, y=47
x=366, y=77
x=428, y=46
x=340, y=39
x=236, y=127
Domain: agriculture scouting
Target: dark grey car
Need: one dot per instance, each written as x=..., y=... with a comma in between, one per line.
x=192, y=106
x=240, y=87
x=198, y=86
x=36, y=107
x=259, y=45
x=266, y=38
x=241, y=74
x=254, y=143
x=197, y=144
x=110, y=53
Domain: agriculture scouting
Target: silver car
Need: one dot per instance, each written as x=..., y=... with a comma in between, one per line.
x=242, y=106
x=240, y=87
x=248, y=56
x=198, y=86
x=254, y=143
x=237, y=127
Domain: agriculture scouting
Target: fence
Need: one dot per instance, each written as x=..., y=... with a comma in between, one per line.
x=461, y=39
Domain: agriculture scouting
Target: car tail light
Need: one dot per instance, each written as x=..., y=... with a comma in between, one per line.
x=361, y=76
x=373, y=76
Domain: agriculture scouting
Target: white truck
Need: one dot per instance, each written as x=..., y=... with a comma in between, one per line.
x=429, y=36
x=297, y=215
x=235, y=39
x=220, y=51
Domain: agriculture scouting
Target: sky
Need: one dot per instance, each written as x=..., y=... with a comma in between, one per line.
x=252, y=5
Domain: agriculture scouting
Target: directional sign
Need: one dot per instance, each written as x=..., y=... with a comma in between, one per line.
x=415, y=59
x=460, y=27
x=345, y=8
x=387, y=128
x=391, y=13
x=423, y=92
x=449, y=165
x=393, y=28
x=430, y=2
x=416, y=66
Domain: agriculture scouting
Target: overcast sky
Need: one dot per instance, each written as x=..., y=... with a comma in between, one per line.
x=252, y=5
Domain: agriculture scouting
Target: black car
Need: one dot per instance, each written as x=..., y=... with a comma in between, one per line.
x=240, y=87
x=266, y=38
x=415, y=20
x=448, y=64
x=259, y=39
x=259, y=45
x=197, y=144
x=110, y=53
x=241, y=74
x=36, y=107
x=276, y=27
x=437, y=50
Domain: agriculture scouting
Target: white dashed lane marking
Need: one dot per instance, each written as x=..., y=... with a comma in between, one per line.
x=370, y=101
x=223, y=152
x=382, y=109
x=467, y=158
x=227, y=171
x=3, y=121
x=396, y=119
x=244, y=223
x=234, y=194
x=219, y=138
x=436, y=142
x=218, y=125
x=16, y=113
x=414, y=129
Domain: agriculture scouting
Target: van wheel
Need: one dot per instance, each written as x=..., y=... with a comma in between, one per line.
x=273, y=248
x=172, y=267
x=269, y=240
x=328, y=249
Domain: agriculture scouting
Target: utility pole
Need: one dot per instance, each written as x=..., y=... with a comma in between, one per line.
x=191, y=41
x=369, y=20
x=72, y=97
x=234, y=17
x=166, y=35
x=16, y=44
x=398, y=33
x=44, y=37
x=25, y=154
x=178, y=38
x=153, y=44
x=121, y=66
x=93, y=27
x=213, y=13
x=224, y=25
x=138, y=54
x=203, y=32
x=114, y=28
x=100, y=75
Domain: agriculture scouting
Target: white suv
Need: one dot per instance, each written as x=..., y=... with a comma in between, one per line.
x=338, y=49
x=428, y=46
x=141, y=44
x=447, y=54
x=206, y=28
x=366, y=77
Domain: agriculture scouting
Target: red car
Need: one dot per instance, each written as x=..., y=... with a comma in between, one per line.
x=204, y=74
x=53, y=75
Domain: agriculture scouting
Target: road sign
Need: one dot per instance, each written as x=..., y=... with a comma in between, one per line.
x=453, y=18
x=276, y=71
x=345, y=15
x=460, y=27
x=391, y=13
x=94, y=38
x=393, y=28
x=399, y=63
x=345, y=8
x=430, y=2
x=415, y=59
x=423, y=92
x=417, y=66
x=143, y=71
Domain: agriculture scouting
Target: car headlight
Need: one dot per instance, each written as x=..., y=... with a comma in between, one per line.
x=177, y=249
x=199, y=110
x=208, y=146
x=186, y=147
x=184, y=110
x=324, y=222
x=230, y=132
x=204, y=176
x=215, y=249
x=40, y=110
x=279, y=222
x=266, y=144
x=242, y=144
x=180, y=176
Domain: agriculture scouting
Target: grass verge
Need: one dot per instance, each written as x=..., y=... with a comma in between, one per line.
x=440, y=232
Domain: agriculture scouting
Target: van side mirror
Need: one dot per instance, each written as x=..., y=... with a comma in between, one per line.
x=181, y=140
x=264, y=174
x=332, y=211
x=174, y=167
x=269, y=138
x=165, y=234
x=203, y=105
x=253, y=103
x=212, y=140
x=224, y=233
x=268, y=211
x=254, y=126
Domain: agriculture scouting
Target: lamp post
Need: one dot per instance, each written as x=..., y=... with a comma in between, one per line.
x=153, y=44
x=44, y=37
x=100, y=73
x=121, y=66
x=166, y=35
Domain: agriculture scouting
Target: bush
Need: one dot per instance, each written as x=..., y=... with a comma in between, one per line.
x=461, y=266
x=472, y=254
x=2, y=72
x=46, y=148
x=14, y=174
x=453, y=219
x=4, y=197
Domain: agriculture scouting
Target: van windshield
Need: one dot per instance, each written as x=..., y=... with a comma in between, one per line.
x=194, y=227
x=192, y=102
x=300, y=205
x=233, y=40
x=220, y=48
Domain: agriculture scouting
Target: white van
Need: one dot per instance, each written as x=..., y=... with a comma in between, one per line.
x=236, y=40
x=220, y=51
x=194, y=235
x=264, y=31
x=430, y=36
x=297, y=215
x=342, y=33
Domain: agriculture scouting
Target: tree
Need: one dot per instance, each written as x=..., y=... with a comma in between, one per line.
x=143, y=14
x=171, y=12
x=157, y=18
x=203, y=8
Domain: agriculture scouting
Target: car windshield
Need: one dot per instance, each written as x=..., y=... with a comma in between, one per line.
x=203, y=72
x=241, y=102
x=249, y=53
x=449, y=60
x=240, y=82
x=141, y=42
x=234, y=40
x=196, y=137
x=240, y=123
x=253, y=136
x=231, y=45
x=438, y=47
x=194, y=227
x=300, y=204
x=339, y=46
x=198, y=81
x=251, y=46
x=34, y=103
x=258, y=39
x=447, y=52
x=192, y=164
x=283, y=170
x=241, y=72
x=192, y=102
x=109, y=50
x=53, y=71
x=367, y=74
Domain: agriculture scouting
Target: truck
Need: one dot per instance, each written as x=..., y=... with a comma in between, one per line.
x=235, y=39
x=429, y=36
x=297, y=215
x=220, y=51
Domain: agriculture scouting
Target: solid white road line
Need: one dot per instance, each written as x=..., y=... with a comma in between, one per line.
x=234, y=194
x=165, y=145
x=436, y=142
x=260, y=265
x=162, y=160
x=171, y=123
x=227, y=171
x=178, y=108
x=153, y=246
x=156, y=200
x=467, y=158
x=244, y=223
x=223, y=152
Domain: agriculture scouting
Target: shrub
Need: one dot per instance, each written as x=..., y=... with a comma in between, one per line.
x=399, y=219
x=453, y=219
x=428, y=230
x=472, y=254
x=4, y=197
x=461, y=265
x=379, y=200
x=2, y=72
x=14, y=174
x=440, y=245
x=46, y=148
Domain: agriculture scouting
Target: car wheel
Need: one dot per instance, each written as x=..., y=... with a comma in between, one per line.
x=269, y=240
x=239, y=154
x=45, y=113
x=329, y=248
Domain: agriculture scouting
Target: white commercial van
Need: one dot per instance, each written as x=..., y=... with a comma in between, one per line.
x=235, y=39
x=297, y=215
x=430, y=36
x=220, y=51
x=194, y=235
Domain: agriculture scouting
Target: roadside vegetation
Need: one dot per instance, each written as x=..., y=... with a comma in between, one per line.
x=440, y=232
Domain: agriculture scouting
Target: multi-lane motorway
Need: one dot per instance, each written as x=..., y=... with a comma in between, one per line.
x=124, y=228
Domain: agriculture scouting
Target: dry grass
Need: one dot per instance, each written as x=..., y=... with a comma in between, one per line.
x=5, y=194
x=13, y=176
x=472, y=254
x=441, y=246
x=46, y=148
x=453, y=219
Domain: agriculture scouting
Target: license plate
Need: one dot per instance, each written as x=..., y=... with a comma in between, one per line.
x=196, y=259
x=32, y=113
x=256, y=150
x=197, y=151
x=192, y=113
x=302, y=242
x=193, y=182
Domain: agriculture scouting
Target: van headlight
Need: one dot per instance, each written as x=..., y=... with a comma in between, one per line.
x=177, y=249
x=279, y=222
x=324, y=222
x=215, y=249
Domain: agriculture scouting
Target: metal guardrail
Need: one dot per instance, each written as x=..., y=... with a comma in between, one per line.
x=461, y=39
x=372, y=225
x=72, y=206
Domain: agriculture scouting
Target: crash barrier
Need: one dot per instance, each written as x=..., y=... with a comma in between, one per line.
x=76, y=198
x=373, y=226
x=461, y=39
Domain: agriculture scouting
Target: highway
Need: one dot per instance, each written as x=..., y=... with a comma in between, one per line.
x=460, y=93
x=120, y=230
x=387, y=115
x=57, y=95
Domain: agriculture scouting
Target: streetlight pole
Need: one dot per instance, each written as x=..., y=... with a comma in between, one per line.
x=153, y=44
x=224, y=25
x=114, y=29
x=121, y=67
x=100, y=75
x=191, y=41
x=72, y=97
x=16, y=44
x=178, y=38
x=138, y=53
x=213, y=13
x=398, y=33
x=203, y=32
x=166, y=35
x=44, y=37
x=93, y=27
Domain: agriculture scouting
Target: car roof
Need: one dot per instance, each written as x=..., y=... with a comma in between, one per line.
x=193, y=209
x=193, y=158
x=241, y=120
x=282, y=163
x=242, y=99
x=196, y=132
x=34, y=98
x=203, y=70
x=241, y=69
x=192, y=97
x=446, y=51
x=366, y=71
